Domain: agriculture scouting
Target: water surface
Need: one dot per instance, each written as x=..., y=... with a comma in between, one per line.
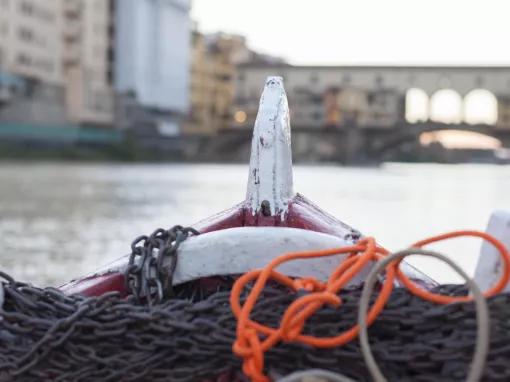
x=59, y=221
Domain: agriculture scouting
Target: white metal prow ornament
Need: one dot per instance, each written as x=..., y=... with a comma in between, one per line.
x=270, y=178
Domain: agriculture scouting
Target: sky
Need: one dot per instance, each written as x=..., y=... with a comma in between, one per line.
x=333, y=32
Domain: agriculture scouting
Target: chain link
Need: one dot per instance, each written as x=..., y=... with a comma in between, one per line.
x=146, y=277
x=46, y=335
x=185, y=333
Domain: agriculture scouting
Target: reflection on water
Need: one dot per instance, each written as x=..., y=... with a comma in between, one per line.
x=58, y=221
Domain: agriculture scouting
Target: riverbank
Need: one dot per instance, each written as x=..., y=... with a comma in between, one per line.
x=147, y=144
x=193, y=153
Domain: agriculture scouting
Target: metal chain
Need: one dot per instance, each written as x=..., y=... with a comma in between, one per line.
x=482, y=314
x=146, y=277
x=48, y=336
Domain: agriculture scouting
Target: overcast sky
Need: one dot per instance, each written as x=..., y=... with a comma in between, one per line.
x=367, y=31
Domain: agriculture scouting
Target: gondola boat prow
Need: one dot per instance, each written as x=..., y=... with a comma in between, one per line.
x=272, y=215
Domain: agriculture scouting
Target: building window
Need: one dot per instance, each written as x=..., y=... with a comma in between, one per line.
x=314, y=78
x=29, y=9
x=23, y=59
x=110, y=76
x=26, y=7
x=111, y=54
x=480, y=107
x=25, y=34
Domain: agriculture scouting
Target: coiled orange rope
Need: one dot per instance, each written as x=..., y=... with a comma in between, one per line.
x=254, y=339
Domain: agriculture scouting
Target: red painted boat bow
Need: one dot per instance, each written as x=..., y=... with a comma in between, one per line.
x=270, y=200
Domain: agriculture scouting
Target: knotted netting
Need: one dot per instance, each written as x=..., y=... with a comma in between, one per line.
x=188, y=332
x=46, y=335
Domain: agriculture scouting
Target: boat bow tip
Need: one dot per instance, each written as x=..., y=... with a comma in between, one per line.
x=270, y=180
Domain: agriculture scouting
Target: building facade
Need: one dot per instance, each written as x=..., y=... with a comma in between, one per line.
x=54, y=62
x=215, y=59
x=152, y=59
x=29, y=45
x=377, y=96
x=213, y=69
x=87, y=67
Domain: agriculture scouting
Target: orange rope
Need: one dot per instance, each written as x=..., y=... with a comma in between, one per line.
x=254, y=339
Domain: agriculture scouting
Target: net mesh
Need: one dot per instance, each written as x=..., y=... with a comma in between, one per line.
x=46, y=335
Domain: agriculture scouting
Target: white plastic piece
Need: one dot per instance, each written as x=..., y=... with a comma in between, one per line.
x=270, y=177
x=490, y=265
x=238, y=250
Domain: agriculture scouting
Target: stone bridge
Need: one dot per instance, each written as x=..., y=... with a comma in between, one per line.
x=380, y=141
x=345, y=144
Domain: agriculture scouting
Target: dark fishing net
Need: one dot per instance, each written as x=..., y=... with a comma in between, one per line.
x=48, y=336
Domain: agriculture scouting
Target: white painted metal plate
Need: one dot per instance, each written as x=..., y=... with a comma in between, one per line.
x=239, y=250
x=490, y=264
x=270, y=177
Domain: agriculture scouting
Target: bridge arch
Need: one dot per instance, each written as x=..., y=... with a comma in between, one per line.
x=480, y=136
x=446, y=106
x=480, y=107
x=416, y=106
x=460, y=139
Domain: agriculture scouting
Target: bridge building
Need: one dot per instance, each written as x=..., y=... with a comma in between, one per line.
x=362, y=113
x=381, y=96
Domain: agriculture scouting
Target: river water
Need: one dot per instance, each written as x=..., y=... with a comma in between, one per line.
x=62, y=220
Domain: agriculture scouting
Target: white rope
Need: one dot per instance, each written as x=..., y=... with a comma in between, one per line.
x=482, y=314
x=315, y=375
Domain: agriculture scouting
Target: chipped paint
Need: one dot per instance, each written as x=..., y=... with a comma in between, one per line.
x=270, y=176
x=270, y=192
